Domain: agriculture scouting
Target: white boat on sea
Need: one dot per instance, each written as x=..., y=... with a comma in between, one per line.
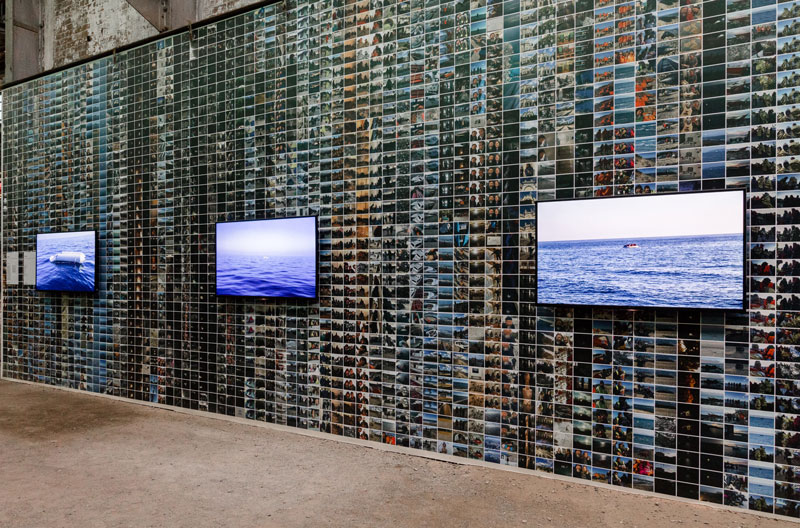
x=68, y=257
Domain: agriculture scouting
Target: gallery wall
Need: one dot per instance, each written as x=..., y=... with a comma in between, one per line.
x=421, y=133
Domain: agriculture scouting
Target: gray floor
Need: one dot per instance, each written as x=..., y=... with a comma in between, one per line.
x=70, y=459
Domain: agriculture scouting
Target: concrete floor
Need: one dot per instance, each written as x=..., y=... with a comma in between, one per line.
x=70, y=459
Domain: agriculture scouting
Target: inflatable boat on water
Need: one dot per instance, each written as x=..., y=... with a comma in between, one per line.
x=68, y=257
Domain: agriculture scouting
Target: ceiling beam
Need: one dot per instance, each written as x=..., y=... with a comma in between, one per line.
x=22, y=39
x=165, y=15
x=154, y=11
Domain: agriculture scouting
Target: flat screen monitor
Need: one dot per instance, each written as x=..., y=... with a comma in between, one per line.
x=268, y=258
x=683, y=250
x=66, y=261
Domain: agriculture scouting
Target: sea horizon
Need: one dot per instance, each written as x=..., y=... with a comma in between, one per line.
x=250, y=254
x=642, y=238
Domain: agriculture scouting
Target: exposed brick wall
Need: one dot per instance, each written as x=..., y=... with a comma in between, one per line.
x=76, y=29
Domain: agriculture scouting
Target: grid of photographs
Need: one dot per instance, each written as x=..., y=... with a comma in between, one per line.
x=421, y=133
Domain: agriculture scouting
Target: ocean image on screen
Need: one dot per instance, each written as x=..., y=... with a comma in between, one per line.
x=267, y=258
x=65, y=261
x=642, y=255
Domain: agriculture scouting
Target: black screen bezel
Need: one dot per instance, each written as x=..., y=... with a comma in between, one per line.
x=316, y=260
x=650, y=307
x=96, y=262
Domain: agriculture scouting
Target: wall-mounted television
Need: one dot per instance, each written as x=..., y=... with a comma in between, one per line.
x=66, y=261
x=684, y=250
x=267, y=258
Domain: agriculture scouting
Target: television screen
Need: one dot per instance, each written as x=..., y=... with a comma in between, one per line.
x=674, y=251
x=66, y=261
x=268, y=258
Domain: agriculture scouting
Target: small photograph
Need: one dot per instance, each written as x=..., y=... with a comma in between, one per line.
x=66, y=261
x=642, y=482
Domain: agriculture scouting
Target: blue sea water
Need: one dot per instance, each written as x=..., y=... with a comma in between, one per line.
x=693, y=271
x=257, y=276
x=65, y=277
